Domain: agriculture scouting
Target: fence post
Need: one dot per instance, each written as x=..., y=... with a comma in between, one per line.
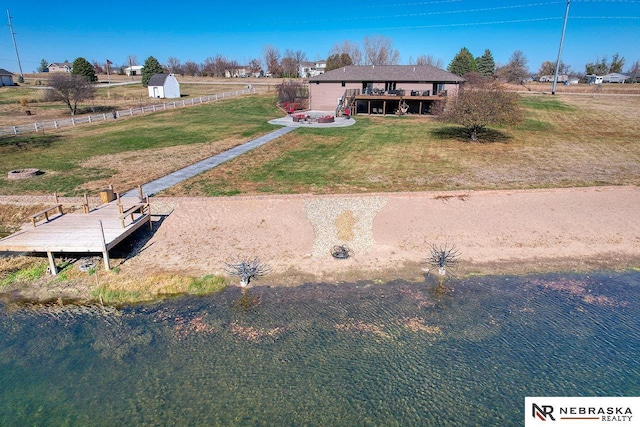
x=36, y=125
x=89, y=118
x=216, y=96
x=164, y=106
x=55, y=124
x=73, y=121
x=130, y=112
x=154, y=108
x=104, y=116
x=15, y=130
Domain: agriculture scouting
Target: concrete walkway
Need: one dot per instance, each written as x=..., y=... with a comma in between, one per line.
x=178, y=176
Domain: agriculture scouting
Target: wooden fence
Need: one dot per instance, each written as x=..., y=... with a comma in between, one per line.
x=103, y=117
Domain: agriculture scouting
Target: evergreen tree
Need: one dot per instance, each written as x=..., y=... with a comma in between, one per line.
x=44, y=66
x=486, y=66
x=151, y=66
x=462, y=63
x=82, y=67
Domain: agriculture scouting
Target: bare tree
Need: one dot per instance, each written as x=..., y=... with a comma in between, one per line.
x=349, y=48
x=191, y=68
x=132, y=60
x=70, y=89
x=174, y=65
x=208, y=67
x=97, y=67
x=378, y=50
x=272, y=60
x=289, y=67
x=486, y=103
x=255, y=66
x=292, y=91
x=549, y=68
x=429, y=60
x=516, y=69
x=293, y=59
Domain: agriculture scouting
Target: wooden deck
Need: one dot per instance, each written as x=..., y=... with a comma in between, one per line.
x=98, y=231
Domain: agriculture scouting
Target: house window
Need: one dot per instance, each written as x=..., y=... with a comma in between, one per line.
x=343, y=84
x=389, y=86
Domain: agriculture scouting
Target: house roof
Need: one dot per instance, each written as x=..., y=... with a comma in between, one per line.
x=380, y=73
x=157, y=80
x=616, y=75
x=61, y=64
x=4, y=72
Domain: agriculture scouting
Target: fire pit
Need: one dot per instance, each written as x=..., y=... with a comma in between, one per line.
x=311, y=118
x=23, y=173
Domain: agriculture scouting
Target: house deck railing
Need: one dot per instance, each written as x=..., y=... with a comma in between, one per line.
x=103, y=117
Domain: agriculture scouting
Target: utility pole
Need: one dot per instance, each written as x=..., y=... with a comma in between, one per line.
x=564, y=28
x=15, y=46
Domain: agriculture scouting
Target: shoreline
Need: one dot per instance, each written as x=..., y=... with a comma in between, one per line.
x=498, y=232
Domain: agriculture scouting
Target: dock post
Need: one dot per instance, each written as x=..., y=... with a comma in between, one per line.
x=140, y=193
x=52, y=264
x=105, y=251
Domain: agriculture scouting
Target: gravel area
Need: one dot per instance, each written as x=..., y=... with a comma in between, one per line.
x=343, y=221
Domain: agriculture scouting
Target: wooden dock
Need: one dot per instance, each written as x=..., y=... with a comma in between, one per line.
x=97, y=231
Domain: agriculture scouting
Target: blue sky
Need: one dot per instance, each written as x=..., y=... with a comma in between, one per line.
x=239, y=30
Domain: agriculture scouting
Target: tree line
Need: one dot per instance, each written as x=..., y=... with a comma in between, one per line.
x=372, y=50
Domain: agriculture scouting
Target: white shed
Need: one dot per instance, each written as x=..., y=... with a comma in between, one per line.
x=163, y=86
x=6, y=78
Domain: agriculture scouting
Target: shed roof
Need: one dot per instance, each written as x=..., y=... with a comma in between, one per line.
x=157, y=79
x=379, y=73
x=4, y=72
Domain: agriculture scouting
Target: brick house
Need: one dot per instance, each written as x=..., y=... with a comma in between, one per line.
x=381, y=89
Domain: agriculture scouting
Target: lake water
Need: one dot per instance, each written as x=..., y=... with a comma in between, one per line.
x=397, y=354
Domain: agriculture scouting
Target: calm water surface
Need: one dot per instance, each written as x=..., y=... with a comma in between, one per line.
x=394, y=354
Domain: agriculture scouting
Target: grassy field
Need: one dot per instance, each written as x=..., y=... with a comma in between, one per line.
x=131, y=151
x=15, y=101
x=566, y=140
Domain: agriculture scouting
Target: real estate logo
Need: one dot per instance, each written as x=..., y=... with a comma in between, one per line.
x=582, y=411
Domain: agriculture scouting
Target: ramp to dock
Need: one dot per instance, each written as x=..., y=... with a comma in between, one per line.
x=97, y=231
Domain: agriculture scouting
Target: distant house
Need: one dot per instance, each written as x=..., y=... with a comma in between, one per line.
x=60, y=67
x=312, y=69
x=133, y=70
x=163, y=86
x=614, y=78
x=381, y=89
x=238, y=71
x=549, y=78
x=6, y=77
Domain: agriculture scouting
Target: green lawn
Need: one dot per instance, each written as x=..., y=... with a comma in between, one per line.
x=564, y=141
x=60, y=154
x=567, y=140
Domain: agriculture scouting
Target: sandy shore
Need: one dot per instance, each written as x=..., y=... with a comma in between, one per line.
x=390, y=234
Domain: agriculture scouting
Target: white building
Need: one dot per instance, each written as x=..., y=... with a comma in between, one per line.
x=134, y=70
x=6, y=77
x=163, y=86
x=312, y=69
